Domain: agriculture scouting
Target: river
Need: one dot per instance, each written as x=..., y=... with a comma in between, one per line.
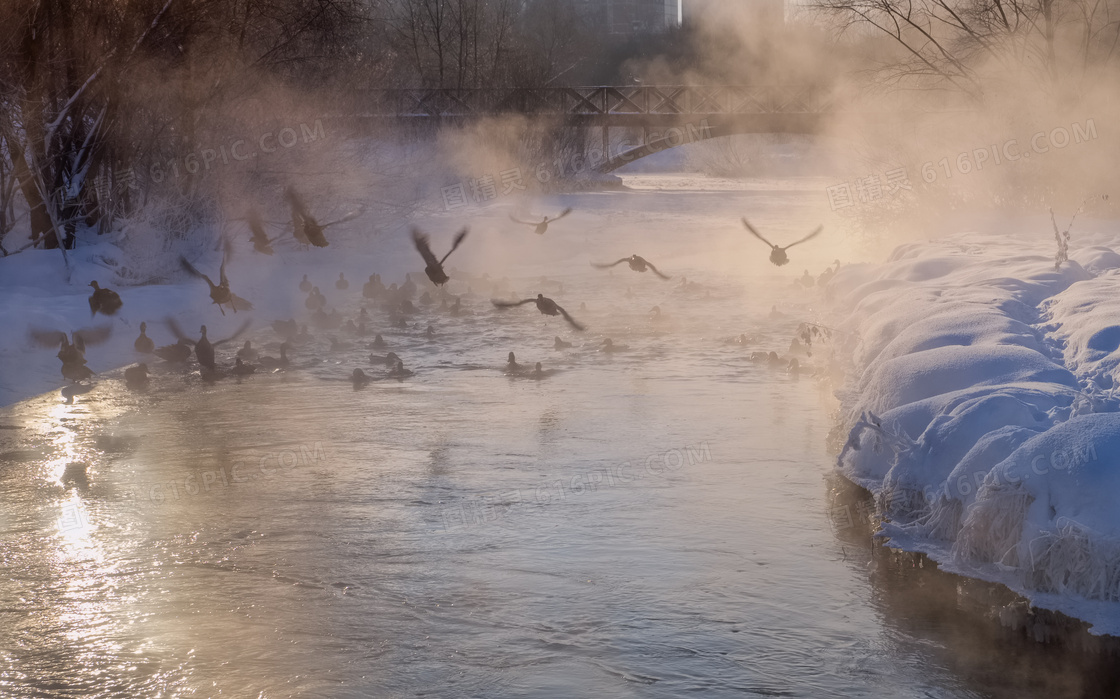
x=653, y=522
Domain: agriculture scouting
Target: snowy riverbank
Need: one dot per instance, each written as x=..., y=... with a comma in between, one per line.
x=984, y=415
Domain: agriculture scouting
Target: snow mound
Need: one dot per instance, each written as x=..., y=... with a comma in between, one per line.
x=984, y=415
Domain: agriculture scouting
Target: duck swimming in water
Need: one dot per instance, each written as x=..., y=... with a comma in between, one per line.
x=359, y=378
x=144, y=344
x=283, y=362
x=373, y=288
x=177, y=353
x=247, y=352
x=136, y=376
x=390, y=359
x=560, y=344
x=378, y=343
x=434, y=267
x=315, y=300
x=512, y=367
x=541, y=227
x=104, y=301
x=399, y=372
x=219, y=293
x=545, y=305
x=778, y=254
x=286, y=329
x=341, y=284
x=636, y=263
x=242, y=369
x=408, y=288
x=608, y=346
x=305, y=285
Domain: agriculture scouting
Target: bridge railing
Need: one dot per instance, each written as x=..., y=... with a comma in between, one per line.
x=598, y=101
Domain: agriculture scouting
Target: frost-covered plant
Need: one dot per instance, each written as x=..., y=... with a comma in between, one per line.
x=993, y=526
x=153, y=237
x=1062, y=237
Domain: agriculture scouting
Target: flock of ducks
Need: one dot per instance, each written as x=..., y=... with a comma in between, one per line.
x=396, y=300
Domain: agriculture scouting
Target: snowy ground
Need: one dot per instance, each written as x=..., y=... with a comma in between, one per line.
x=983, y=409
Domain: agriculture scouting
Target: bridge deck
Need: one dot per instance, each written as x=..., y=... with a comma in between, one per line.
x=589, y=105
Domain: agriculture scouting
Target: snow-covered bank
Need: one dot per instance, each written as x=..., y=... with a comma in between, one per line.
x=984, y=415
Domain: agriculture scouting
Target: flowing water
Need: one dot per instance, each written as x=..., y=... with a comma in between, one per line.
x=653, y=522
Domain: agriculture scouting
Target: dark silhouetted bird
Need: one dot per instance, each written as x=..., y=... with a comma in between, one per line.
x=359, y=378
x=203, y=347
x=399, y=372
x=71, y=350
x=177, y=353
x=144, y=344
x=260, y=240
x=636, y=262
x=283, y=362
x=342, y=284
x=545, y=305
x=219, y=293
x=136, y=376
x=540, y=227
x=103, y=301
x=778, y=254
x=247, y=352
x=305, y=228
x=434, y=267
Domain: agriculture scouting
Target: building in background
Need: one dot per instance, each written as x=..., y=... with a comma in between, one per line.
x=769, y=12
x=631, y=16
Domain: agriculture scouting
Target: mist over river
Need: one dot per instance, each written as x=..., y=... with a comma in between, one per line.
x=650, y=522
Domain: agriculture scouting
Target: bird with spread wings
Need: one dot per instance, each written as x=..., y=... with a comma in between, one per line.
x=778, y=254
x=541, y=226
x=636, y=262
x=545, y=305
x=434, y=267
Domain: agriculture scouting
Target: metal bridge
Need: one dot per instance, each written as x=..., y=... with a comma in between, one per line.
x=716, y=110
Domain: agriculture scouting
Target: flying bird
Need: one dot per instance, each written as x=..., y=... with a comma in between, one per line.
x=434, y=268
x=540, y=227
x=203, y=347
x=778, y=254
x=260, y=240
x=305, y=229
x=636, y=262
x=219, y=293
x=104, y=301
x=544, y=304
x=72, y=350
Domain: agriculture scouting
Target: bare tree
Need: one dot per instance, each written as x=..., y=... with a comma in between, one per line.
x=1063, y=45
